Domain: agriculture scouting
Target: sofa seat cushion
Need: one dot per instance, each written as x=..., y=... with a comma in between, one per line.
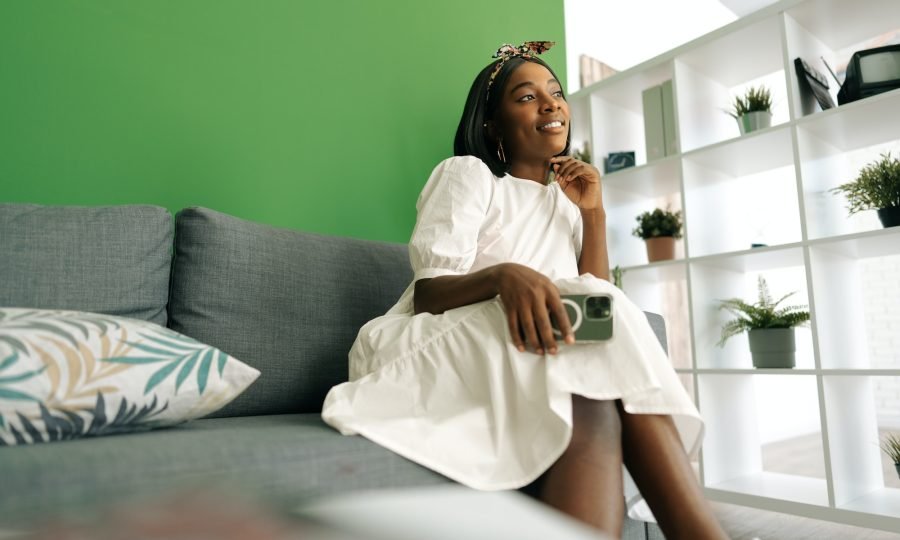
x=286, y=302
x=282, y=458
x=106, y=259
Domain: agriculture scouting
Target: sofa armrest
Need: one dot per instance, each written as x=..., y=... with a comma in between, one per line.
x=658, y=324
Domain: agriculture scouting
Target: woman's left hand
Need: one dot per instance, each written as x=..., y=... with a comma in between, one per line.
x=580, y=182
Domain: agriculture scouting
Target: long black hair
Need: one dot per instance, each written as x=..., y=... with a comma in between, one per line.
x=471, y=136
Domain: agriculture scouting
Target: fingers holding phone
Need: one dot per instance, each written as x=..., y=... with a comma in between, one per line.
x=533, y=307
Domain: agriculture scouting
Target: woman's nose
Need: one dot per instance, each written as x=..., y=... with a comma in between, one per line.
x=551, y=105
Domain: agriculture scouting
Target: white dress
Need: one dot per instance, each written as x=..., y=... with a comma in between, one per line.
x=450, y=391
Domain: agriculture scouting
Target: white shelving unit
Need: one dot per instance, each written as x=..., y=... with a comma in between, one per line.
x=770, y=187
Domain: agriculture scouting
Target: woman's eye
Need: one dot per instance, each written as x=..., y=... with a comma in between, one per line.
x=558, y=93
x=526, y=97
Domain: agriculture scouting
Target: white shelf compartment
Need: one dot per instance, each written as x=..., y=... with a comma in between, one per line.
x=652, y=180
x=617, y=111
x=630, y=192
x=745, y=413
x=863, y=478
x=837, y=288
x=708, y=77
x=833, y=146
x=740, y=192
x=662, y=288
x=719, y=277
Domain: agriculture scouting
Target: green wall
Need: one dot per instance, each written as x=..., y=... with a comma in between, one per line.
x=324, y=116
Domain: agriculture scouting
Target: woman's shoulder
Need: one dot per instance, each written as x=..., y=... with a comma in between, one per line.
x=464, y=166
x=461, y=177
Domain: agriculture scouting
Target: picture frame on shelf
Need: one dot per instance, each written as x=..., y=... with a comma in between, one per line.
x=616, y=161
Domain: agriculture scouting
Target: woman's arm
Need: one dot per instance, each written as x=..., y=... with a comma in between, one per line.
x=594, y=255
x=528, y=297
x=437, y=295
x=580, y=182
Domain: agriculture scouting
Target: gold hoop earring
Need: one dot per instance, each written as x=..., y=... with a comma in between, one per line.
x=500, y=153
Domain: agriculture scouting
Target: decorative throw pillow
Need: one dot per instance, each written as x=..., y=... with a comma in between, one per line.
x=70, y=374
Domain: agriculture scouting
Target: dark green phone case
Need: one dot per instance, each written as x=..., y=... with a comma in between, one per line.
x=590, y=315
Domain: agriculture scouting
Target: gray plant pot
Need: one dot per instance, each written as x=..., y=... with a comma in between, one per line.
x=753, y=121
x=772, y=347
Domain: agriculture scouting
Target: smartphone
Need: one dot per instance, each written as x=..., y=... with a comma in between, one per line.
x=590, y=315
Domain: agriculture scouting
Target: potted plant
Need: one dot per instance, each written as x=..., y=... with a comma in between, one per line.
x=659, y=229
x=877, y=187
x=753, y=110
x=616, y=274
x=891, y=446
x=769, y=328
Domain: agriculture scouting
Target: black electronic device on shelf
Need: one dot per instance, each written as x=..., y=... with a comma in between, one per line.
x=812, y=84
x=871, y=72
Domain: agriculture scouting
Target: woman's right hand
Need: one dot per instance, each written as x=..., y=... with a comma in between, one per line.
x=529, y=298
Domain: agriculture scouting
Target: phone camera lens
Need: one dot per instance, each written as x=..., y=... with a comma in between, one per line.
x=598, y=307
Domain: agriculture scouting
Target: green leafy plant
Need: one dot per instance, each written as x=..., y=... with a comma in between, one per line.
x=658, y=223
x=617, y=276
x=765, y=313
x=876, y=187
x=754, y=99
x=891, y=446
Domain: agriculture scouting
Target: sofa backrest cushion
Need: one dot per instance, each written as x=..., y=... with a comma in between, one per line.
x=286, y=302
x=104, y=259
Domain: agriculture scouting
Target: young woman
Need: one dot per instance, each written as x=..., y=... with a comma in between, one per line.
x=464, y=375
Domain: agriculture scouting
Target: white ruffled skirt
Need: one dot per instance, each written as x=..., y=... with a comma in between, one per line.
x=453, y=394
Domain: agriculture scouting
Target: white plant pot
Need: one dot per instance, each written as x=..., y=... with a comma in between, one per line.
x=753, y=121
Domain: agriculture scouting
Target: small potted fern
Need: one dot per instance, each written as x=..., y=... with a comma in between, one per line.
x=891, y=446
x=659, y=229
x=769, y=328
x=877, y=187
x=753, y=110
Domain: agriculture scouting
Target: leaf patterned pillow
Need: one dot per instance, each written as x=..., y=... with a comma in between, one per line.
x=70, y=374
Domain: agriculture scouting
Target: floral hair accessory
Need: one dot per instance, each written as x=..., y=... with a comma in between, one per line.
x=529, y=49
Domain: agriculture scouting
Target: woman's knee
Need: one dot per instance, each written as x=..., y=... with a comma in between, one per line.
x=595, y=420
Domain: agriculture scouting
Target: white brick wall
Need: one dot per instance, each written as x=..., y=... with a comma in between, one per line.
x=881, y=295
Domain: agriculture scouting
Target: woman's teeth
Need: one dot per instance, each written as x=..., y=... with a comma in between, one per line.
x=551, y=125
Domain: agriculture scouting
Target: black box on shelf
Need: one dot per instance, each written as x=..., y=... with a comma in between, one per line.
x=617, y=161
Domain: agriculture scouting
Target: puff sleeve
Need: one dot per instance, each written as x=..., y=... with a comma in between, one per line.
x=450, y=212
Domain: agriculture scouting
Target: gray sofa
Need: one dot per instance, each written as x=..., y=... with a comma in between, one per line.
x=286, y=302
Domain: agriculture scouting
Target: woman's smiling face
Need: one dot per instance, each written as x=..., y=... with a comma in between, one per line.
x=533, y=118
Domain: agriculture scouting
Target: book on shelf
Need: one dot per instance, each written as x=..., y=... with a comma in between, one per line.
x=659, y=121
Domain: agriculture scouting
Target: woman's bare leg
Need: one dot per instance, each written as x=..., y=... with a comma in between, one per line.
x=586, y=481
x=659, y=466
